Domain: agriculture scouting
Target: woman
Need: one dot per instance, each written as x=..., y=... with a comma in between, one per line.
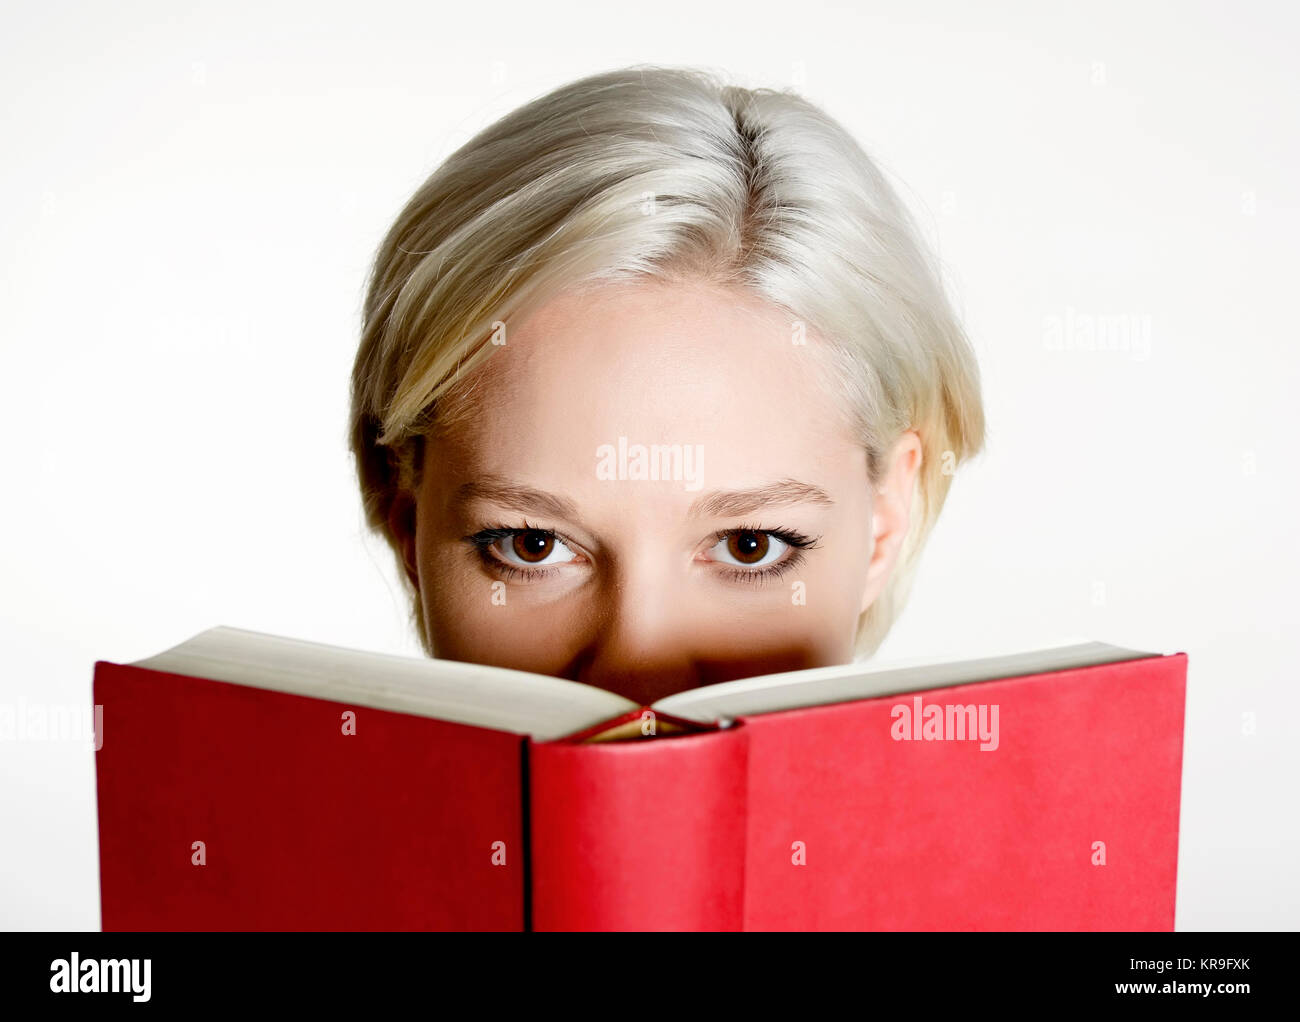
x=658, y=387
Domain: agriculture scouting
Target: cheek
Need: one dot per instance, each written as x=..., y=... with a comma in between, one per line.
x=472, y=617
x=823, y=598
x=847, y=571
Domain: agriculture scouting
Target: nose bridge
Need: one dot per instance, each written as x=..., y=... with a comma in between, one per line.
x=640, y=646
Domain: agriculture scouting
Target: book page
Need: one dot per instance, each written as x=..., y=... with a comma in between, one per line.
x=463, y=693
x=847, y=682
x=548, y=708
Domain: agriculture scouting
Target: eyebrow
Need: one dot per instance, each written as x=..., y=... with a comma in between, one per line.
x=729, y=503
x=714, y=504
x=502, y=491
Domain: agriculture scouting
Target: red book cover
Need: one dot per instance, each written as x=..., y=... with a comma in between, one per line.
x=1039, y=802
x=1064, y=818
x=1070, y=823
x=302, y=826
x=644, y=834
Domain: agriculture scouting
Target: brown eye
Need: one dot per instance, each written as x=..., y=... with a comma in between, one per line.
x=750, y=548
x=533, y=546
x=747, y=547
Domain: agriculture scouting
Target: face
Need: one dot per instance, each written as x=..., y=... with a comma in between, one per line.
x=652, y=488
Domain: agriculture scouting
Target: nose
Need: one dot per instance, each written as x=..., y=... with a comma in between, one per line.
x=653, y=634
x=640, y=646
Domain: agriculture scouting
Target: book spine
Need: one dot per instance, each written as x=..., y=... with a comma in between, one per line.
x=641, y=835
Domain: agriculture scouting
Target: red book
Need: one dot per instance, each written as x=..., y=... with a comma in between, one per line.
x=252, y=782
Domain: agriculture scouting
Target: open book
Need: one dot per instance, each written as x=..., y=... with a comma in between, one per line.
x=251, y=781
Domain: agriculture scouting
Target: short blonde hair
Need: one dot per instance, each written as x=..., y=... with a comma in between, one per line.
x=753, y=189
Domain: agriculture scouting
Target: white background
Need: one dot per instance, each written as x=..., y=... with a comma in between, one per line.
x=190, y=199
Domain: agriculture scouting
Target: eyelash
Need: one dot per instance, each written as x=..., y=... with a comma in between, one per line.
x=797, y=542
x=482, y=542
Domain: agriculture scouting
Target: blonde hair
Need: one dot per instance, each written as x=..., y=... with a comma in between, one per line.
x=753, y=189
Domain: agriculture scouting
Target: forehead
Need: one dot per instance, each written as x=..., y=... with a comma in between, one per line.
x=661, y=364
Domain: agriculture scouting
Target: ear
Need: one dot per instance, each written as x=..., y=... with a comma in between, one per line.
x=401, y=523
x=891, y=511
